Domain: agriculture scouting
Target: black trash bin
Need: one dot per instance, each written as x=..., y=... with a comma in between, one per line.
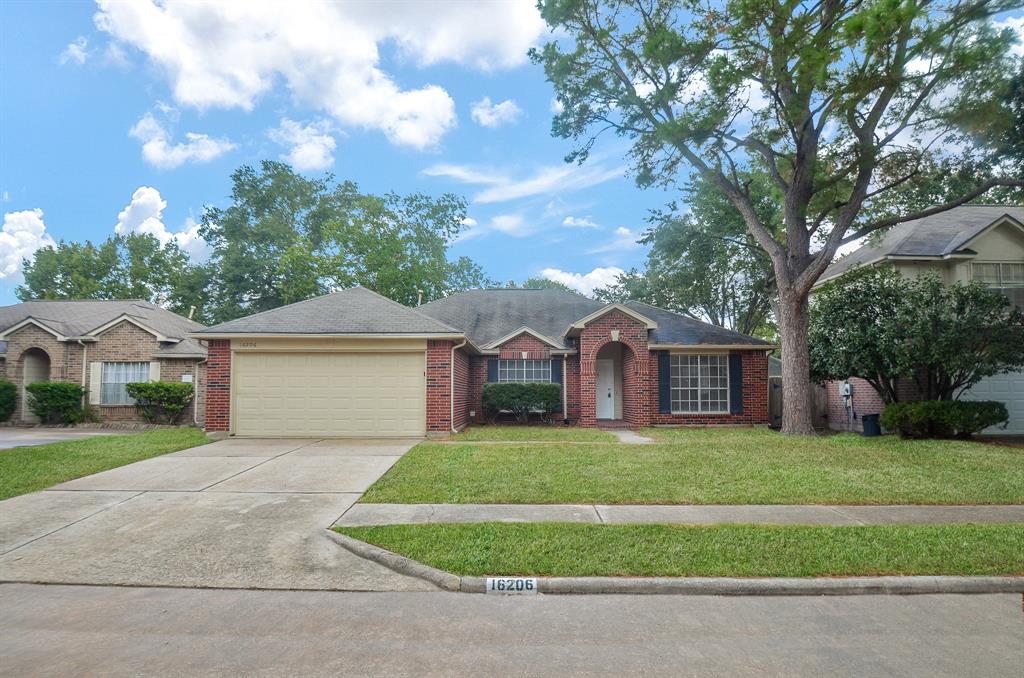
x=871, y=425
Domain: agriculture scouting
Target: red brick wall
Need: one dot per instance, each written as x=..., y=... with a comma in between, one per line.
x=865, y=400
x=633, y=337
x=439, y=358
x=534, y=348
x=755, y=396
x=218, y=385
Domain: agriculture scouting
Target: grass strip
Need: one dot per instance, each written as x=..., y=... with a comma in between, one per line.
x=27, y=469
x=572, y=549
x=721, y=466
x=536, y=433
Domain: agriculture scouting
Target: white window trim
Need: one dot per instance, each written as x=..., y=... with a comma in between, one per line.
x=728, y=385
x=130, y=402
x=520, y=360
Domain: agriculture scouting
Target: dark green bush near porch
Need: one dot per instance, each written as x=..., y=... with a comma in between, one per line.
x=943, y=418
x=521, y=398
x=56, y=402
x=160, y=402
x=8, y=399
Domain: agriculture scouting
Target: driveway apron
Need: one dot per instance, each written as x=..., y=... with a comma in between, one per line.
x=238, y=513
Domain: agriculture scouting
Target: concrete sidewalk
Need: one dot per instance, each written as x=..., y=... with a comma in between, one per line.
x=398, y=514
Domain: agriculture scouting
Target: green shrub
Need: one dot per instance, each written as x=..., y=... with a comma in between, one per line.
x=521, y=398
x=943, y=418
x=8, y=399
x=56, y=402
x=160, y=402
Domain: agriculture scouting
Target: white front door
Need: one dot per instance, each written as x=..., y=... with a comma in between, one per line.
x=605, y=389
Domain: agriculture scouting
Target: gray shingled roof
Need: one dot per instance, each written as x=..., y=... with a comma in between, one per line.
x=934, y=236
x=80, y=318
x=488, y=315
x=352, y=311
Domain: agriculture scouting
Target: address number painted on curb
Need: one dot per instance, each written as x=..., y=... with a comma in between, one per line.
x=523, y=586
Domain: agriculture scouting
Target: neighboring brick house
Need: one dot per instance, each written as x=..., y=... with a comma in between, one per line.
x=971, y=242
x=353, y=363
x=100, y=345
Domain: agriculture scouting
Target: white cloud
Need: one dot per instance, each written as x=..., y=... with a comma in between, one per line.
x=500, y=187
x=584, y=283
x=158, y=150
x=312, y=145
x=491, y=115
x=624, y=240
x=511, y=224
x=76, y=51
x=579, y=222
x=144, y=214
x=328, y=55
x=1016, y=24
x=23, y=233
x=556, y=106
x=5, y=197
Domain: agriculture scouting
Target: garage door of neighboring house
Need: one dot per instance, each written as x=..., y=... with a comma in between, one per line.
x=1006, y=388
x=329, y=394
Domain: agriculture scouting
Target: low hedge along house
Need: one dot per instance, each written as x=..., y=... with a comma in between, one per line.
x=101, y=346
x=353, y=363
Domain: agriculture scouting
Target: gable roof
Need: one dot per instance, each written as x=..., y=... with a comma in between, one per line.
x=84, y=318
x=942, y=235
x=353, y=311
x=487, y=316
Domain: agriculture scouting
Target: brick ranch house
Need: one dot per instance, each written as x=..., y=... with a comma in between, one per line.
x=971, y=242
x=353, y=363
x=100, y=345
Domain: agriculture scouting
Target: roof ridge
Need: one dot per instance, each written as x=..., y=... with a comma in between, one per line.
x=694, y=320
x=409, y=308
x=259, y=313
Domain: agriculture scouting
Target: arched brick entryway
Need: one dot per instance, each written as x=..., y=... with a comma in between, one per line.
x=34, y=366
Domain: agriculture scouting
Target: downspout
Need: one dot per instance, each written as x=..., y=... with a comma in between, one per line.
x=85, y=366
x=565, y=389
x=195, y=391
x=451, y=388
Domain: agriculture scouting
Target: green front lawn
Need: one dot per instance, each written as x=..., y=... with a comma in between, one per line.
x=534, y=433
x=572, y=549
x=709, y=466
x=27, y=469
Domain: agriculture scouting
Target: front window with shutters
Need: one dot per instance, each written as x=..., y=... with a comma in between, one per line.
x=1007, y=278
x=116, y=376
x=700, y=384
x=524, y=370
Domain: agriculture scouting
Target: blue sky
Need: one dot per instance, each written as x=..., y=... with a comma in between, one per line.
x=132, y=116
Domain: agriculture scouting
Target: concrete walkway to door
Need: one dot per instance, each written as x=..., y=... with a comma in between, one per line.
x=239, y=513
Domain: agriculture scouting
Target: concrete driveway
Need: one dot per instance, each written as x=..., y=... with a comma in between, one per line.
x=239, y=513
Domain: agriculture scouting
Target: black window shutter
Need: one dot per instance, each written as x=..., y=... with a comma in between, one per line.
x=736, y=383
x=664, y=383
x=492, y=369
x=556, y=377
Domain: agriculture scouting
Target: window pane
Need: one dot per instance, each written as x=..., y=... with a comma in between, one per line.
x=986, y=273
x=699, y=383
x=1013, y=274
x=524, y=370
x=115, y=376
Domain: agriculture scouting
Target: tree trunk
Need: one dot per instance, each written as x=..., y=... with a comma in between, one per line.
x=794, y=317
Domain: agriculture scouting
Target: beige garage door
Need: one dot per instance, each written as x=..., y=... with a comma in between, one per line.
x=329, y=394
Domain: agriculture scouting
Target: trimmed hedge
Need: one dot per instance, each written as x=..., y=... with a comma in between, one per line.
x=160, y=402
x=8, y=399
x=521, y=398
x=943, y=418
x=56, y=402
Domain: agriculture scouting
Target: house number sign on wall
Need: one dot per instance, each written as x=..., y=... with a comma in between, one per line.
x=522, y=586
x=247, y=344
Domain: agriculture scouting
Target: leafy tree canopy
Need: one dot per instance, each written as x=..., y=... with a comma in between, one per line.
x=881, y=326
x=826, y=99
x=286, y=237
x=134, y=266
x=704, y=263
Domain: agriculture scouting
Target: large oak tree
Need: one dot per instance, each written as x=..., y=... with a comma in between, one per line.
x=821, y=96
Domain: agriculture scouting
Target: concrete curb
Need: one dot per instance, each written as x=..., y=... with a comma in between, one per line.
x=400, y=564
x=696, y=586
